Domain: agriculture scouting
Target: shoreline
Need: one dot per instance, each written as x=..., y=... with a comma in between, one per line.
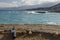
x=33, y=27
x=36, y=35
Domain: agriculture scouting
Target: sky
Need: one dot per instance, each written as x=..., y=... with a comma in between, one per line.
x=16, y=3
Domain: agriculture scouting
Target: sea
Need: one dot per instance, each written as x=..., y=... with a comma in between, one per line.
x=29, y=17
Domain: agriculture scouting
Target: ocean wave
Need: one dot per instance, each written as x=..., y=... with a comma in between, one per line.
x=52, y=23
x=31, y=12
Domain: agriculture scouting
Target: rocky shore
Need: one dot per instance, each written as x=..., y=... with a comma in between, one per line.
x=39, y=32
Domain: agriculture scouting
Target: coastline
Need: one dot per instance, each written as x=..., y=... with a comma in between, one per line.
x=36, y=35
x=34, y=27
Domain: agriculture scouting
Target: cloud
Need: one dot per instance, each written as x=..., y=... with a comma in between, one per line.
x=48, y=0
x=2, y=4
x=31, y=2
x=34, y=2
x=17, y=3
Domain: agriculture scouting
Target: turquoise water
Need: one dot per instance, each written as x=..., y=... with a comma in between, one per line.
x=24, y=17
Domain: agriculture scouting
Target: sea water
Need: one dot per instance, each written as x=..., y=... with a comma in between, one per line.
x=26, y=17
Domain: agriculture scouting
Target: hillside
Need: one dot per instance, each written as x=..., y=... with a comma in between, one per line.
x=43, y=6
x=52, y=7
x=55, y=8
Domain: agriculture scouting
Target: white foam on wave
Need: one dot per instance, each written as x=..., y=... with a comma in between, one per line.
x=52, y=23
x=32, y=12
x=46, y=13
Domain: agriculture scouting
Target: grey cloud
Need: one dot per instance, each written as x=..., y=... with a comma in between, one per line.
x=7, y=4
